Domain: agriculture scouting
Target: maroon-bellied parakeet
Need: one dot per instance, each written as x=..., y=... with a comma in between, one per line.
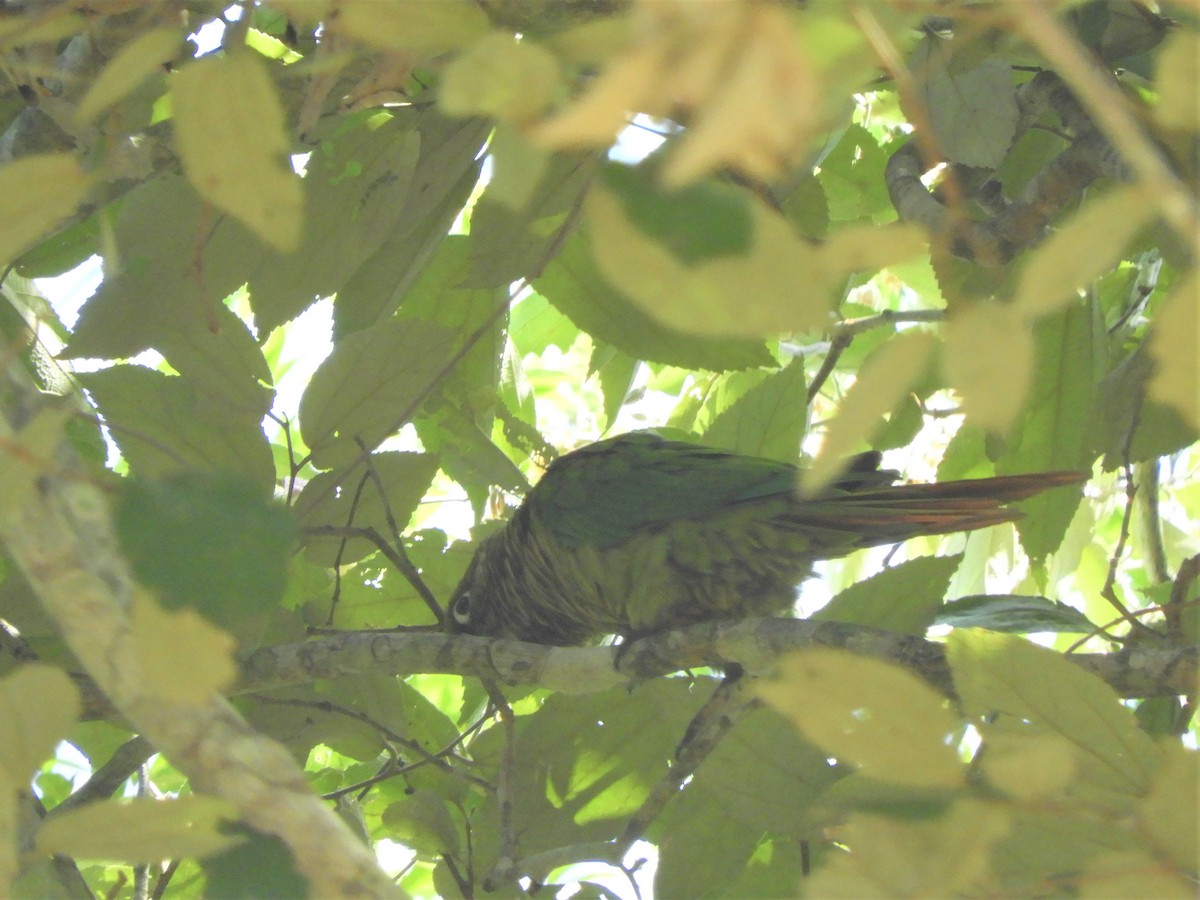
x=636, y=534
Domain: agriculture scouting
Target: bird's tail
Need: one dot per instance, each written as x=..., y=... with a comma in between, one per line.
x=870, y=516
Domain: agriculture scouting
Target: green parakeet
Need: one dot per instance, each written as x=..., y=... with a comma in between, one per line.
x=637, y=534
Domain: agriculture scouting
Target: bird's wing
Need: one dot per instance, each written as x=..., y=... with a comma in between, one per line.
x=611, y=491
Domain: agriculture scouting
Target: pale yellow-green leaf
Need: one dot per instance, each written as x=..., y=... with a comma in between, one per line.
x=1175, y=346
x=24, y=30
x=1027, y=766
x=231, y=135
x=137, y=60
x=1087, y=246
x=767, y=291
x=988, y=358
x=602, y=110
x=1169, y=814
x=1178, y=81
x=869, y=248
x=183, y=657
x=419, y=26
x=30, y=454
x=885, y=720
x=141, y=832
x=502, y=77
x=36, y=193
x=942, y=856
x=1007, y=675
x=883, y=381
x=1122, y=874
x=38, y=706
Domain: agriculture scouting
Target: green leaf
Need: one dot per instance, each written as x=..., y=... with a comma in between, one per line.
x=575, y=286
x=374, y=381
x=999, y=674
x=403, y=479
x=422, y=821
x=163, y=424
x=768, y=420
x=905, y=599
x=357, y=185
x=973, y=109
x=703, y=221
x=508, y=244
x=1054, y=429
x=880, y=717
x=446, y=173
x=258, y=866
x=1012, y=613
x=210, y=541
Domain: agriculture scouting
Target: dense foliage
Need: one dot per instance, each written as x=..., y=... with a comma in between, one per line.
x=357, y=271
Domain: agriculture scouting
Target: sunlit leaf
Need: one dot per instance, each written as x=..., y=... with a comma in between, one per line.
x=140, y=832
x=875, y=715
x=372, y=383
x=38, y=706
x=904, y=598
x=182, y=657
x=230, y=131
x=1178, y=74
x=989, y=360
x=146, y=54
x=415, y=25
x=1175, y=344
x=884, y=379
x=1087, y=246
x=1009, y=676
x=502, y=77
x=36, y=193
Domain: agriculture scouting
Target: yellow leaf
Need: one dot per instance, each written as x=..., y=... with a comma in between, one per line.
x=1175, y=345
x=36, y=193
x=137, y=60
x=883, y=381
x=763, y=100
x=417, y=25
x=501, y=77
x=1086, y=247
x=229, y=128
x=943, y=856
x=183, y=658
x=38, y=706
x=769, y=290
x=31, y=453
x=602, y=111
x=873, y=714
x=1168, y=813
x=869, y=248
x=141, y=832
x=1178, y=84
x=1028, y=766
x=989, y=360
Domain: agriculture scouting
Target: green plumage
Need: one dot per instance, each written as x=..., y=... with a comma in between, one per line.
x=636, y=534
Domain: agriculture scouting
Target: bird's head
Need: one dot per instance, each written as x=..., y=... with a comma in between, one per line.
x=470, y=611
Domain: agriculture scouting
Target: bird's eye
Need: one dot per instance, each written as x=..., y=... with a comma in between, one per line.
x=461, y=608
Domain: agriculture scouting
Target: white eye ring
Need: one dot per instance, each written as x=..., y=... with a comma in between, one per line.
x=460, y=610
